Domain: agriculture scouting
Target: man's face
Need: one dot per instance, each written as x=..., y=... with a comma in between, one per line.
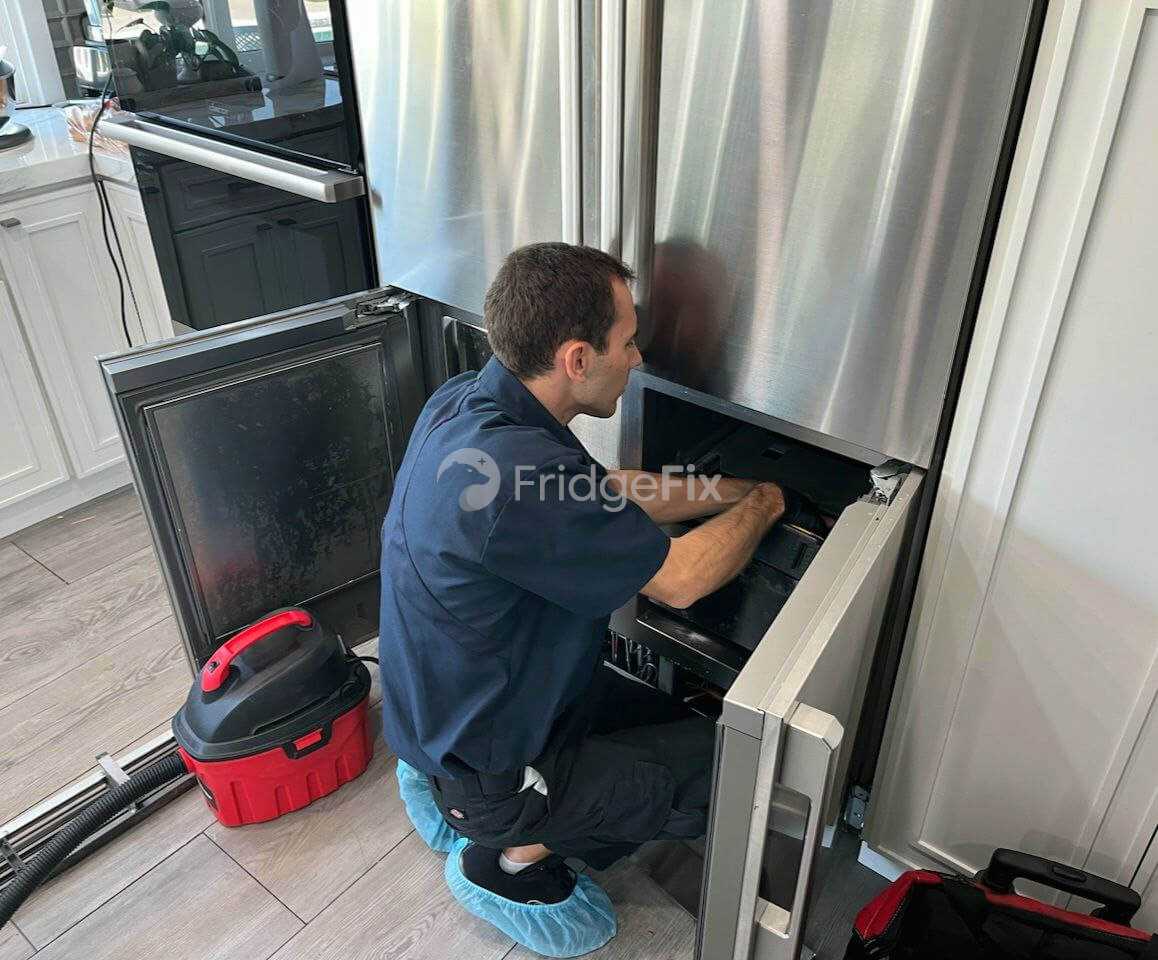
x=609, y=370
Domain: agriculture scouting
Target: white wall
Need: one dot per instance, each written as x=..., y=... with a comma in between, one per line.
x=1032, y=663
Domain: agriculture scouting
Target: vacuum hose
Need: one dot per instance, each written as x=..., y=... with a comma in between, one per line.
x=83, y=825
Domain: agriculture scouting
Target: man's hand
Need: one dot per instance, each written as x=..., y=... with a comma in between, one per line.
x=772, y=497
x=670, y=498
x=704, y=559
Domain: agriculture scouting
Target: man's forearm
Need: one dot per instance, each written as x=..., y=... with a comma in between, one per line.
x=725, y=544
x=668, y=498
x=704, y=559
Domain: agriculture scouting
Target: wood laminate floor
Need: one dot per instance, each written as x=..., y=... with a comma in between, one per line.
x=90, y=661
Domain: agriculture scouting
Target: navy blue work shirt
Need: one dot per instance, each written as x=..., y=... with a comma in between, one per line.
x=503, y=555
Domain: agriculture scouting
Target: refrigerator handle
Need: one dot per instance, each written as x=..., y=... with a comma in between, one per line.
x=611, y=102
x=811, y=750
x=642, y=255
x=571, y=119
x=328, y=186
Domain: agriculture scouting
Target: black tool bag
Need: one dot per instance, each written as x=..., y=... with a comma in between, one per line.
x=933, y=916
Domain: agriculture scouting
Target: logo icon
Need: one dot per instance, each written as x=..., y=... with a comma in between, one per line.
x=483, y=485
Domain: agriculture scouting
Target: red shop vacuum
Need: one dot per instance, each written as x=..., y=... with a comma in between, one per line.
x=276, y=719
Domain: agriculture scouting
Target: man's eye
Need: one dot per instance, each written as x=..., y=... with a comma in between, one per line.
x=631, y=342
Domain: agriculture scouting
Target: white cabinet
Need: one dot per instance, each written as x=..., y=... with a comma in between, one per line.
x=59, y=311
x=66, y=295
x=30, y=458
x=1025, y=711
x=148, y=310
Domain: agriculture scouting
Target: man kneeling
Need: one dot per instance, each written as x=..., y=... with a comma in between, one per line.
x=504, y=551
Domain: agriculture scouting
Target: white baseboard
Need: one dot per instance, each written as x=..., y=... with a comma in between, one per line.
x=62, y=497
x=887, y=867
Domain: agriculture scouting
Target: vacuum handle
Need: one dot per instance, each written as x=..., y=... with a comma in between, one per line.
x=214, y=672
x=1120, y=903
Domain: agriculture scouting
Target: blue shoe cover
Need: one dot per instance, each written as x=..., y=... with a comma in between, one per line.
x=583, y=922
x=414, y=788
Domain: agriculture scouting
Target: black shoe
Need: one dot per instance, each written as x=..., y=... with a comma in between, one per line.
x=548, y=881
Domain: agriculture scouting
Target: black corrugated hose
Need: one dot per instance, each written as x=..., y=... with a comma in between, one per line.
x=83, y=825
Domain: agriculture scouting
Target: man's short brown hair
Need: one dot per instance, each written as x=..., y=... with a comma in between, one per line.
x=546, y=294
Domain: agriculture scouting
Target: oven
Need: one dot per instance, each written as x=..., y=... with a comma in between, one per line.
x=243, y=128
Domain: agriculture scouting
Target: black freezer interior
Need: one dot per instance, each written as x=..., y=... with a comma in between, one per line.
x=707, y=644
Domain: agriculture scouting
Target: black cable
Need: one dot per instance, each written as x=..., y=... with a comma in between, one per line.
x=1142, y=859
x=103, y=190
x=351, y=654
x=107, y=219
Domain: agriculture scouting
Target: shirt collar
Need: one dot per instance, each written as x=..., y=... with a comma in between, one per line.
x=512, y=395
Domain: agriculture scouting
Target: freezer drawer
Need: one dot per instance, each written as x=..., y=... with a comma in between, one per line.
x=789, y=688
x=784, y=719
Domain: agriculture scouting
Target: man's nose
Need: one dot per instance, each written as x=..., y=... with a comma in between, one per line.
x=636, y=357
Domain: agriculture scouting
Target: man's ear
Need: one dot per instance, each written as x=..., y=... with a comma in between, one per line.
x=575, y=357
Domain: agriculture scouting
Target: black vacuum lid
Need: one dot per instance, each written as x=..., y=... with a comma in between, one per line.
x=277, y=679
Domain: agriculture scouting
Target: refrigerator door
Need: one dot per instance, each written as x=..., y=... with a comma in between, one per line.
x=264, y=454
x=785, y=717
x=480, y=126
x=824, y=175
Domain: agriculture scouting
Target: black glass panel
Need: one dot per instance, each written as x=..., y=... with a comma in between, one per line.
x=279, y=483
x=237, y=66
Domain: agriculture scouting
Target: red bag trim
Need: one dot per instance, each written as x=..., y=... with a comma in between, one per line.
x=876, y=916
x=874, y=919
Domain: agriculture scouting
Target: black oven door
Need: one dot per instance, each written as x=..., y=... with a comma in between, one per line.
x=252, y=73
x=230, y=248
x=264, y=455
x=244, y=134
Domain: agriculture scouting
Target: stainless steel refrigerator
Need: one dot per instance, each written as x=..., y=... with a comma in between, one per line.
x=808, y=191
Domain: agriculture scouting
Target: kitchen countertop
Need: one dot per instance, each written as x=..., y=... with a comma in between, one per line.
x=52, y=158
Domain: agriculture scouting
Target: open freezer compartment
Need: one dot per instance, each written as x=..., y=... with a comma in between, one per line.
x=713, y=638
x=779, y=657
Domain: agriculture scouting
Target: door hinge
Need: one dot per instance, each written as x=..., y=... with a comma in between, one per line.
x=374, y=309
x=857, y=808
x=887, y=479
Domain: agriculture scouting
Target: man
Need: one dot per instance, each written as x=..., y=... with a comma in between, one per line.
x=505, y=550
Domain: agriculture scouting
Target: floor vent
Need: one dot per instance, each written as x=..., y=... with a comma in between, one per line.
x=22, y=837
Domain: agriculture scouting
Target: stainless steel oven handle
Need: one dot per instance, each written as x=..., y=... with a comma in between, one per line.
x=328, y=186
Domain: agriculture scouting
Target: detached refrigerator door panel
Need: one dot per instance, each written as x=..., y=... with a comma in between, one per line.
x=264, y=453
x=786, y=728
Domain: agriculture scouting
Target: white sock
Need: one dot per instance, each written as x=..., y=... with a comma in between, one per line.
x=511, y=866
